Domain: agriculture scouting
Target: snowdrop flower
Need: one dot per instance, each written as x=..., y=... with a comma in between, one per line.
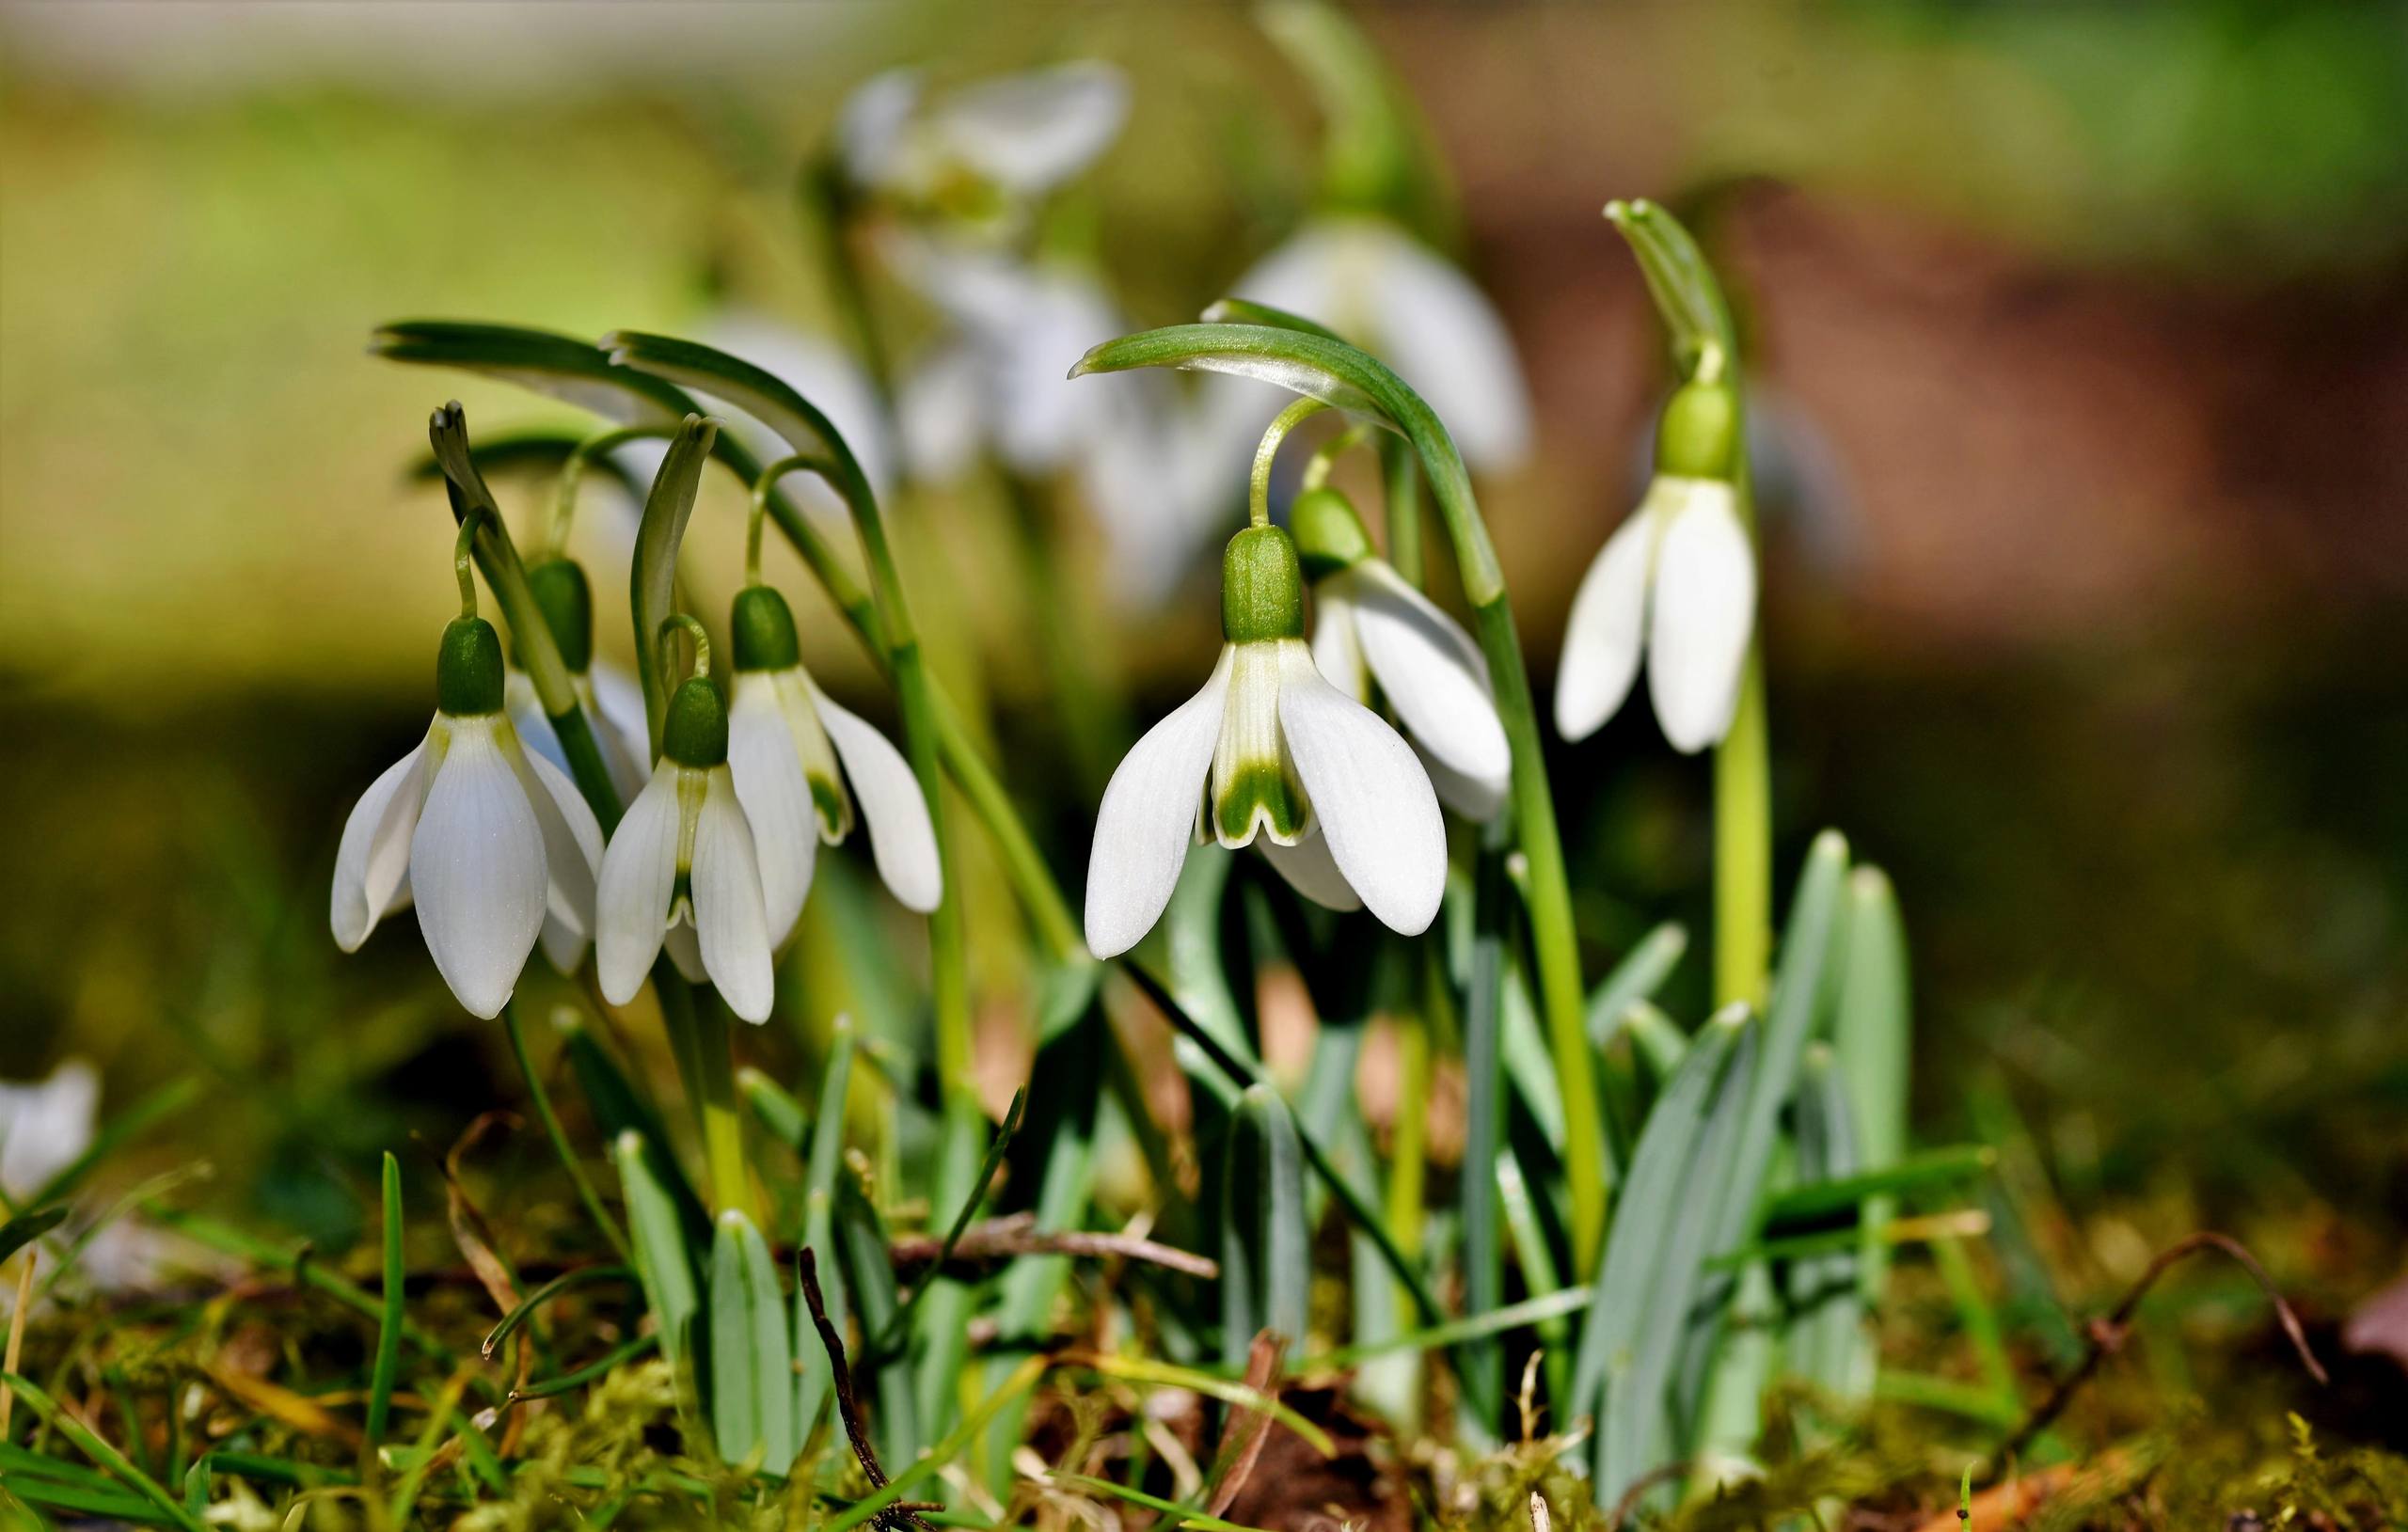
x=1370, y=625
x=983, y=152
x=1678, y=578
x=488, y=839
x=681, y=868
x=786, y=740
x=612, y=699
x=1268, y=749
x=1389, y=293
x=45, y=1126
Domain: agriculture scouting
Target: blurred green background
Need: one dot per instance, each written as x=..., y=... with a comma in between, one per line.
x=2086, y=623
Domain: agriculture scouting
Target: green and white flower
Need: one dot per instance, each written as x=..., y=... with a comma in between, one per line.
x=1369, y=625
x=612, y=698
x=792, y=749
x=681, y=868
x=1677, y=581
x=491, y=841
x=1267, y=754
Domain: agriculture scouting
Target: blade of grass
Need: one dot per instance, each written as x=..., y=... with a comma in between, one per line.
x=1482, y=1365
x=611, y=1233
x=1818, y=1201
x=1021, y=1381
x=892, y=1336
x=567, y=1281
x=664, y=1263
x=388, y=1328
x=611, y=1361
x=1641, y=971
x=1173, y=1513
x=1229, y=1391
x=90, y=1444
x=1528, y=1314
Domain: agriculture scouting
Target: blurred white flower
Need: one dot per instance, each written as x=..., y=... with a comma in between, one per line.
x=1268, y=749
x=681, y=868
x=45, y=1126
x=791, y=748
x=984, y=149
x=488, y=839
x=614, y=703
x=1398, y=299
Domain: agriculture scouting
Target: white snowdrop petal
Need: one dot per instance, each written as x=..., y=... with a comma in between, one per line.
x=372, y=861
x=1311, y=871
x=1601, y=639
x=46, y=1124
x=776, y=796
x=1034, y=131
x=1477, y=798
x=1305, y=276
x=901, y=835
x=873, y=124
x=527, y=718
x=1338, y=654
x=730, y=923
x=477, y=867
x=686, y=951
x=940, y=409
x=1372, y=799
x=564, y=943
x=620, y=725
x=1432, y=677
x=1443, y=336
x=639, y=877
x=572, y=849
x=1703, y=608
x=1147, y=819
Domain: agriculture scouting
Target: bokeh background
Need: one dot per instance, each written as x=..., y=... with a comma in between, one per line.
x=2087, y=584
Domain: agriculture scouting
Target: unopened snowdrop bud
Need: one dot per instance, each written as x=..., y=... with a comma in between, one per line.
x=492, y=841
x=682, y=869
x=612, y=699
x=1678, y=579
x=1369, y=625
x=1276, y=758
x=792, y=749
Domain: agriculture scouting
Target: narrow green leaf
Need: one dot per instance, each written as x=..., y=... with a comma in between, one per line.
x=814, y=1382
x=861, y=1244
x=1266, y=1257
x=560, y=366
x=1247, y=311
x=388, y=1328
x=970, y=1205
x=1482, y=1365
x=1872, y=1035
x=602, y=1366
x=567, y=1281
x=1529, y=1313
x=26, y=1229
x=1656, y=1038
x=117, y=1505
x=775, y=1108
x=1829, y=1346
x=752, y=1350
x=618, y=1108
x=1815, y=1202
x=1528, y=1062
x=663, y=1262
x=1173, y=1513
x=1641, y=971
x=1021, y=1381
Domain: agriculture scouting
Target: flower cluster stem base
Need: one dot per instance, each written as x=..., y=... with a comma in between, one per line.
x=1743, y=849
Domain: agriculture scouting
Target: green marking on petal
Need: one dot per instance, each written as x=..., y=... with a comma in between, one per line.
x=1258, y=794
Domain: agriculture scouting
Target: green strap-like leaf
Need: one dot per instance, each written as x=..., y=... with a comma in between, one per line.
x=752, y=1350
x=657, y=1227
x=1641, y=971
x=26, y=1229
x=388, y=1328
x=1266, y=1255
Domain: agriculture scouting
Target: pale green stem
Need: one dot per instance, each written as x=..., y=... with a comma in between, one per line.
x=1743, y=825
x=690, y=625
x=464, y=561
x=1401, y=480
x=572, y=476
x=1325, y=456
x=1258, y=495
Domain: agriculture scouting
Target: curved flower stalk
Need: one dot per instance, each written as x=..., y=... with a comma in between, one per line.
x=682, y=869
x=1369, y=625
x=1677, y=580
x=791, y=748
x=611, y=698
x=1269, y=754
x=980, y=156
x=1297, y=358
x=491, y=841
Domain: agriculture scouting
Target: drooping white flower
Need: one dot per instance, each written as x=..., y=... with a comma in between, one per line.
x=1369, y=625
x=1677, y=582
x=45, y=1126
x=487, y=839
x=1397, y=298
x=999, y=385
x=1269, y=754
x=791, y=748
x=681, y=868
x=984, y=150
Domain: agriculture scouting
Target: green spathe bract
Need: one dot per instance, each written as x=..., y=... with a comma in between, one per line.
x=1329, y=534
x=467, y=669
x=1261, y=587
x=761, y=631
x=695, y=732
x=560, y=590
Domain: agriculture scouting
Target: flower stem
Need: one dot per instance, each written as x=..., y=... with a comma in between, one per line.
x=1743, y=847
x=716, y=1099
x=572, y=475
x=1257, y=493
x=1400, y=479
x=463, y=559
x=543, y=1100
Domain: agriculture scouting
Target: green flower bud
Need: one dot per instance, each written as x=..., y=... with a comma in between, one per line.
x=1329, y=536
x=762, y=627
x=1261, y=590
x=695, y=733
x=1699, y=436
x=467, y=669
x=567, y=602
